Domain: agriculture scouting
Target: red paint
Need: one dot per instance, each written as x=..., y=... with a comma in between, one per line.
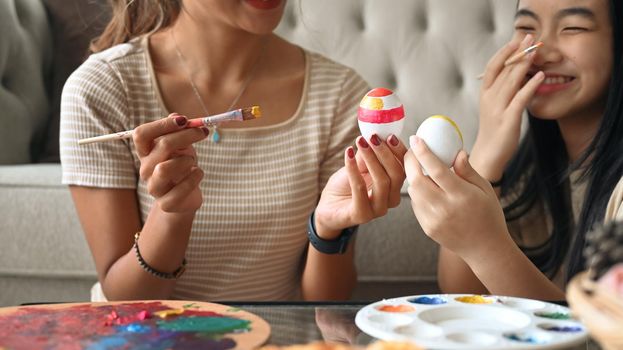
x=264, y=5
x=79, y=326
x=379, y=92
x=381, y=116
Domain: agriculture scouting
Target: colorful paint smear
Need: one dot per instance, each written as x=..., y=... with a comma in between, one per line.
x=554, y=315
x=527, y=338
x=121, y=326
x=474, y=299
x=396, y=308
x=563, y=329
x=428, y=300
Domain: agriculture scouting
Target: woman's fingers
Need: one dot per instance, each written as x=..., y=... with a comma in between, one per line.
x=358, y=187
x=392, y=164
x=173, y=201
x=169, y=145
x=144, y=135
x=380, y=179
x=169, y=173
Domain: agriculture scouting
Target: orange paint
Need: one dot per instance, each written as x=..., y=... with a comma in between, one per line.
x=396, y=308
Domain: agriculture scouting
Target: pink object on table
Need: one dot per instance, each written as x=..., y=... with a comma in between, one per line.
x=613, y=280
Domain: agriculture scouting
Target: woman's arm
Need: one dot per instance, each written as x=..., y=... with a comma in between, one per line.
x=110, y=218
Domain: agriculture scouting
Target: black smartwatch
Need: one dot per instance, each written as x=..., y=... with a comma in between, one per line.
x=336, y=246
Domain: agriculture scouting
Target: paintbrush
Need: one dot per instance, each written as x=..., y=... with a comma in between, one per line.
x=235, y=115
x=518, y=56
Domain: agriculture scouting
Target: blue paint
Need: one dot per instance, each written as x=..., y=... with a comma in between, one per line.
x=109, y=343
x=428, y=300
x=135, y=328
x=564, y=329
x=531, y=339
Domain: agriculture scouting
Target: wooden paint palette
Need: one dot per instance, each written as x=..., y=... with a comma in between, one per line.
x=464, y=321
x=163, y=324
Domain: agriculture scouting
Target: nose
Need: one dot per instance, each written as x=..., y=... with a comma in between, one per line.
x=548, y=53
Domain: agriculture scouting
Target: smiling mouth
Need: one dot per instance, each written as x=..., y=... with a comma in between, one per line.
x=553, y=80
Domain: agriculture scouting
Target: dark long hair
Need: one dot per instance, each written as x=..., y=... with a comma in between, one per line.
x=541, y=163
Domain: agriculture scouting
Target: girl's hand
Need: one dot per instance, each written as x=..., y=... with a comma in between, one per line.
x=504, y=95
x=364, y=189
x=169, y=162
x=459, y=210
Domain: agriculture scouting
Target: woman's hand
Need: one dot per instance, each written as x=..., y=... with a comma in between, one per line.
x=364, y=189
x=169, y=162
x=504, y=95
x=459, y=210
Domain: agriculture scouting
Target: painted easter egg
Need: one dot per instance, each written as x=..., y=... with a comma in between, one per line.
x=442, y=136
x=380, y=112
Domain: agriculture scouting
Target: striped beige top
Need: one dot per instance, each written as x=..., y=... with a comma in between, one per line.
x=249, y=238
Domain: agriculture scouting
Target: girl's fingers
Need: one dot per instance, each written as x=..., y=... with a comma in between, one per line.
x=513, y=76
x=380, y=179
x=358, y=187
x=144, y=135
x=169, y=145
x=522, y=98
x=434, y=167
x=180, y=192
x=422, y=190
x=496, y=63
x=464, y=169
x=169, y=173
x=392, y=165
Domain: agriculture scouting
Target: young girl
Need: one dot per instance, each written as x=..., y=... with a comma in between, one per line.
x=555, y=184
x=232, y=211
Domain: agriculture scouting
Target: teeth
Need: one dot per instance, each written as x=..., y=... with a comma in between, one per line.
x=556, y=80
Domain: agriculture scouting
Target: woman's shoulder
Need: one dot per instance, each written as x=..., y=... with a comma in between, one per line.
x=320, y=62
x=115, y=59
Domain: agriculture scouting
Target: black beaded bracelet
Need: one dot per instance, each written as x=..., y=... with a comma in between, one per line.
x=164, y=275
x=336, y=246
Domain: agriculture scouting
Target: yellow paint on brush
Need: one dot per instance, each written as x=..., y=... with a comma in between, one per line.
x=256, y=111
x=449, y=120
x=396, y=308
x=373, y=103
x=167, y=313
x=474, y=299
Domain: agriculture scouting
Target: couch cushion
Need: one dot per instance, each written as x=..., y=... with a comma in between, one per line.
x=40, y=232
x=25, y=53
x=74, y=24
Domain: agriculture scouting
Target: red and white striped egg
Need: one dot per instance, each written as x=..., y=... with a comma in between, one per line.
x=380, y=112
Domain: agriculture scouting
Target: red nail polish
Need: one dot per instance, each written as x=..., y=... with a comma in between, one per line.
x=206, y=131
x=181, y=120
x=375, y=140
x=350, y=153
x=362, y=143
x=393, y=140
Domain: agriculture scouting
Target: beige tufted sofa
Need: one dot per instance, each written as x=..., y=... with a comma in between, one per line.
x=429, y=52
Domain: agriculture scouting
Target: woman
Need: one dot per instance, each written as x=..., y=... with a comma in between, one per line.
x=564, y=176
x=235, y=207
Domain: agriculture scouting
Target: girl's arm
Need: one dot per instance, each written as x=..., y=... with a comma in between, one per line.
x=460, y=211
